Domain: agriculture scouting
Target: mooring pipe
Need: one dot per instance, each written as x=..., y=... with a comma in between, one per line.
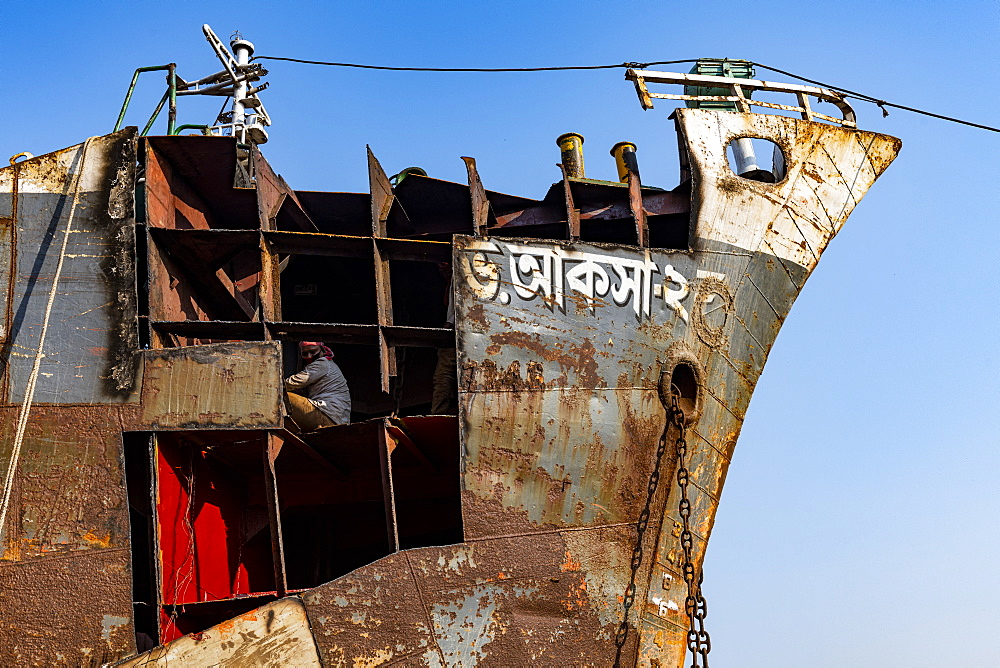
x=625, y=160
x=571, y=147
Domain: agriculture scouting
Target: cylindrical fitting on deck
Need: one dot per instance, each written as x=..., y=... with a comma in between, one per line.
x=625, y=160
x=239, y=45
x=242, y=49
x=571, y=147
x=743, y=151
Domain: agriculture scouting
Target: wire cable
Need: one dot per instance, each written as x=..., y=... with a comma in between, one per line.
x=881, y=104
x=476, y=69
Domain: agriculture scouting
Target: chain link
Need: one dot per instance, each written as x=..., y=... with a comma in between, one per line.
x=698, y=641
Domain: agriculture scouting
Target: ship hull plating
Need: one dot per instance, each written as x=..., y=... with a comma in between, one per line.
x=564, y=349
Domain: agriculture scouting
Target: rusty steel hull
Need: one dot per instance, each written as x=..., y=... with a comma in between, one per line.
x=65, y=570
x=563, y=350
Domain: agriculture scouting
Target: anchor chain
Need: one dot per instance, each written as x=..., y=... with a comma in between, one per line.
x=698, y=641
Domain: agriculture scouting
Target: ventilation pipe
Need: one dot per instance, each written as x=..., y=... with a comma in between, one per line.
x=746, y=160
x=396, y=179
x=571, y=147
x=625, y=160
x=242, y=49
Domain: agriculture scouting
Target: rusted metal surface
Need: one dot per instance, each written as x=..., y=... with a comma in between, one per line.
x=74, y=609
x=276, y=634
x=742, y=100
x=7, y=275
x=563, y=347
x=829, y=169
x=92, y=336
x=480, y=202
x=65, y=585
x=635, y=204
x=224, y=385
x=655, y=203
x=549, y=598
x=572, y=213
x=68, y=495
x=201, y=266
x=277, y=203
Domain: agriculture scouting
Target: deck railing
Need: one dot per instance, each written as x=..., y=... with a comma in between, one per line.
x=739, y=97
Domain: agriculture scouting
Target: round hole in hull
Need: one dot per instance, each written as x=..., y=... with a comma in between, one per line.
x=684, y=384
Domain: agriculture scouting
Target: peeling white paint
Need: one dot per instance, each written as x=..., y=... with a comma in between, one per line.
x=109, y=623
x=463, y=556
x=469, y=623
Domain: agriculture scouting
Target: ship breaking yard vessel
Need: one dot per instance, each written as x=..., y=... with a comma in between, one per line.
x=159, y=507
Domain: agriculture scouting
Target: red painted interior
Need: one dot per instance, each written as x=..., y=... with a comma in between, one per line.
x=214, y=539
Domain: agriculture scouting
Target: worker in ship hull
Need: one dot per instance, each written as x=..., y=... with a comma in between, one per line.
x=317, y=396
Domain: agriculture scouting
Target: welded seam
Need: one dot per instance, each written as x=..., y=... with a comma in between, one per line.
x=833, y=223
x=792, y=179
x=719, y=252
x=868, y=156
x=74, y=554
x=405, y=657
x=842, y=177
x=791, y=217
x=759, y=344
x=735, y=368
x=850, y=188
x=723, y=404
x=712, y=445
x=677, y=518
x=555, y=389
x=29, y=392
x=791, y=279
x=656, y=620
x=549, y=531
x=781, y=318
x=427, y=614
x=713, y=497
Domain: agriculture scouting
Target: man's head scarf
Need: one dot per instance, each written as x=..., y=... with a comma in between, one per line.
x=324, y=351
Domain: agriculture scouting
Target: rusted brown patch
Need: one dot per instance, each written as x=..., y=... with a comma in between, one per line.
x=476, y=315
x=87, y=611
x=69, y=494
x=579, y=357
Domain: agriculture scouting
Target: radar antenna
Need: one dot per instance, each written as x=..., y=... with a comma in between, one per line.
x=246, y=119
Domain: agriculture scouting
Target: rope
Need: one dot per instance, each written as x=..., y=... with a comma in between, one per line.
x=29, y=391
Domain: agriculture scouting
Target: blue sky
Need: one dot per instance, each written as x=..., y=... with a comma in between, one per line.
x=859, y=524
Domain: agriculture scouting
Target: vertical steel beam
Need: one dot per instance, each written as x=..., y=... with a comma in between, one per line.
x=386, y=445
x=381, y=194
x=156, y=553
x=271, y=452
x=6, y=338
x=480, y=203
x=381, y=200
x=383, y=298
x=572, y=213
x=638, y=212
x=269, y=287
